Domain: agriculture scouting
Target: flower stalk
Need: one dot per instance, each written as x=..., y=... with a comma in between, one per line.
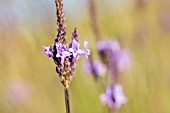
x=115, y=59
x=65, y=56
x=94, y=22
x=67, y=101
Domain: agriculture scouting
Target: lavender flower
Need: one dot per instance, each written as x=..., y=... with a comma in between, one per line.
x=111, y=50
x=114, y=57
x=62, y=52
x=65, y=56
x=96, y=67
x=19, y=92
x=48, y=51
x=107, y=45
x=114, y=96
x=124, y=59
x=74, y=47
x=86, y=51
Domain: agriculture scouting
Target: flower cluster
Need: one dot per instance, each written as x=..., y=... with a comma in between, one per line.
x=114, y=59
x=114, y=96
x=65, y=57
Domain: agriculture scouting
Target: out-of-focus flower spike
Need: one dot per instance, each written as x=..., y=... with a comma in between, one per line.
x=94, y=67
x=114, y=97
x=124, y=60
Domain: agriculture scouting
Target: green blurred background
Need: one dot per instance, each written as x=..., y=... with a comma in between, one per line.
x=29, y=83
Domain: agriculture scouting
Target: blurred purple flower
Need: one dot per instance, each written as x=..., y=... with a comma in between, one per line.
x=96, y=68
x=107, y=45
x=113, y=51
x=114, y=96
x=19, y=92
x=48, y=51
x=124, y=60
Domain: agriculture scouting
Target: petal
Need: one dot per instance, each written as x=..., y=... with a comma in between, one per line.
x=48, y=51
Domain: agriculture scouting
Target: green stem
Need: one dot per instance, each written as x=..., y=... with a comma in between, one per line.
x=67, y=102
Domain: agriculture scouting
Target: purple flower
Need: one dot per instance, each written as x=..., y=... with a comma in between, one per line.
x=124, y=59
x=112, y=50
x=48, y=51
x=86, y=51
x=96, y=68
x=114, y=96
x=19, y=92
x=65, y=56
x=105, y=45
x=76, y=52
x=74, y=48
x=62, y=51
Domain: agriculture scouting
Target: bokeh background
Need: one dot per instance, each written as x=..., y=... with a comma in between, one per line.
x=29, y=83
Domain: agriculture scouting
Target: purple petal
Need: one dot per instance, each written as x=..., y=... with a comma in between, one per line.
x=86, y=50
x=48, y=51
x=74, y=45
